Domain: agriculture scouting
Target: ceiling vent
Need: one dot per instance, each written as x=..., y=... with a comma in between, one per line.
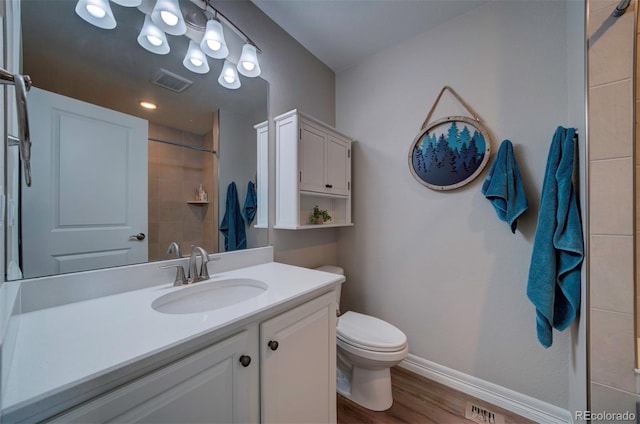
x=171, y=81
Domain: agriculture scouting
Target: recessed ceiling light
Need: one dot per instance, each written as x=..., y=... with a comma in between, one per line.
x=148, y=105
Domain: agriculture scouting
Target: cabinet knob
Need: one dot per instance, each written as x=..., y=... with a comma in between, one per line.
x=245, y=360
x=328, y=185
x=273, y=345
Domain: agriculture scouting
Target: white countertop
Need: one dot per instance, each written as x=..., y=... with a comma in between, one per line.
x=63, y=351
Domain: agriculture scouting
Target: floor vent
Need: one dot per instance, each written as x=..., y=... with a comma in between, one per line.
x=482, y=415
x=171, y=81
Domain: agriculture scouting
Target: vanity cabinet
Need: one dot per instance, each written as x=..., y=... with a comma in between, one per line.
x=297, y=364
x=280, y=369
x=313, y=167
x=217, y=384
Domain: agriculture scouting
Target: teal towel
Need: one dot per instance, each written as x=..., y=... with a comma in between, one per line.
x=250, y=203
x=503, y=186
x=232, y=225
x=558, y=249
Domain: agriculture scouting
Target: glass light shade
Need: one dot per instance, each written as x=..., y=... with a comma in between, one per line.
x=168, y=17
x=96, y=12
x=248, y=64
x=152, y=38
x=213, y=43
x=146, y=6
x=128, y=3
x=229, y=77
x=195, y=60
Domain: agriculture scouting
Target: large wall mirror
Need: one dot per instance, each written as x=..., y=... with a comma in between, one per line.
x=114, y=183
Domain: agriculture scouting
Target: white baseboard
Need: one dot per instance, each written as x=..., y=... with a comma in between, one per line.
x=518, y=403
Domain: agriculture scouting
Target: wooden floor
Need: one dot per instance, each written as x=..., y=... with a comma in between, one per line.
x=417, y=400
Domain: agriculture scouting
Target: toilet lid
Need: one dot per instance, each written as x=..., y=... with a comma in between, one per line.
x=369, y=333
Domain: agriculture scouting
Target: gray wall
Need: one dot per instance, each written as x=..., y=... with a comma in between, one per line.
x=296, y=79
x=440, y=265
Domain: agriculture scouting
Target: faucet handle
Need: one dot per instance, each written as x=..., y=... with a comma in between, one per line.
x=180, y=279
x=204, y=270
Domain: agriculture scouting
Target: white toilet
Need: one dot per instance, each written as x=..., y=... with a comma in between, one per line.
x=367, y=348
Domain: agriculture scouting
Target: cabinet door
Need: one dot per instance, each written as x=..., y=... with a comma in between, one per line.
x=338, y=169
x=312, y=159
x=298, y=382
x=210, y=386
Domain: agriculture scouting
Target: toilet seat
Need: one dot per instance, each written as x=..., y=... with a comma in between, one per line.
x=369, y=333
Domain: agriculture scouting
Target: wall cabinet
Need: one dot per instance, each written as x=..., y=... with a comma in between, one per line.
x=313, y=167
x=262, y=172
x=279, y=370
x=297, y=358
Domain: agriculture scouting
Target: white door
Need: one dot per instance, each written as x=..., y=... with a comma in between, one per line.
x=89, y=187
x=298, y=364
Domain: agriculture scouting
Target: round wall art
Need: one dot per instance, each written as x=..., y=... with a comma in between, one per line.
x=449, y=152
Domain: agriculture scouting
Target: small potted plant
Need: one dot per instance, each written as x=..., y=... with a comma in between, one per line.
x=319, y=216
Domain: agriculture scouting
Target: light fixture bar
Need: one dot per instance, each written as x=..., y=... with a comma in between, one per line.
x=231, y=25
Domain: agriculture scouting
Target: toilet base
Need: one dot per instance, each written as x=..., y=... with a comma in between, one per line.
x=370, y=388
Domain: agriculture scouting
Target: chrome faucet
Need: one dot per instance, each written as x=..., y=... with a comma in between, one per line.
x=174, y=248
x=196, y=275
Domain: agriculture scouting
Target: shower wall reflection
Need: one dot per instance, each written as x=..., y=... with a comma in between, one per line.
x=175, y=173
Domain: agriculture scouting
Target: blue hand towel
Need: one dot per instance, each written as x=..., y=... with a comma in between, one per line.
x=503, y=186
x=250, y=203
x=232, y=225
x=558, y=249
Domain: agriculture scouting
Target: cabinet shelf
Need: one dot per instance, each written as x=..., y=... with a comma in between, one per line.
x=312, y=226
x=327, y=195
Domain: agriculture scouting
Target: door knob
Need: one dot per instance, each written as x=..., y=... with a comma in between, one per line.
x=245, y=360
x=139, y=237
x=273, y=345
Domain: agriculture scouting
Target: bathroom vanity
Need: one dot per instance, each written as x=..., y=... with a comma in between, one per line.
x=267, y=358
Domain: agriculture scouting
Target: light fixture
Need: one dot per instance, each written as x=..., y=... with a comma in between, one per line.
x=96, y=12
x=229, y=76
x=168, y=17
x=198, y=21
x=152, y=38
x=148, y=105
x=128, y=3
x=213, y=42
x=248, y=64
x=195, y=60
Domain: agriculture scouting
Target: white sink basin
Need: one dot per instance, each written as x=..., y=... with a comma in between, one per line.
x=207, y=296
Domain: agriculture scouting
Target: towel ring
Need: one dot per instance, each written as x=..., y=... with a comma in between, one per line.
x=450, y=152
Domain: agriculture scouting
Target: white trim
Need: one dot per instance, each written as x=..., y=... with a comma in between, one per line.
x=518, y=403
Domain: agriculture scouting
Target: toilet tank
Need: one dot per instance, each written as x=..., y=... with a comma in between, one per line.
x=334, y=270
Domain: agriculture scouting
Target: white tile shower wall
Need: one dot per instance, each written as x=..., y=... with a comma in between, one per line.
x=441, y=266
x=611, y=203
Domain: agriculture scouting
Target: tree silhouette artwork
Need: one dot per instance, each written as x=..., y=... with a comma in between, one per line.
x=450, y=156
